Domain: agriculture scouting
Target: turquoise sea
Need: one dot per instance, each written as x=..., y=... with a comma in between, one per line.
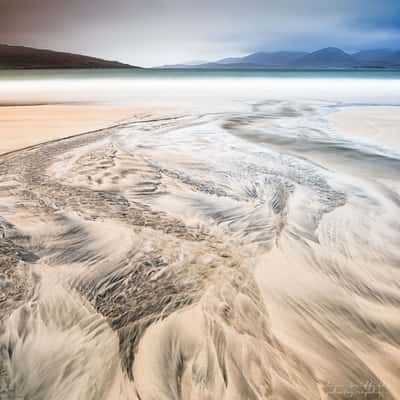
x=199, y=73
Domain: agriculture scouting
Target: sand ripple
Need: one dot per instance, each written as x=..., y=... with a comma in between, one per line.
x=216, y=256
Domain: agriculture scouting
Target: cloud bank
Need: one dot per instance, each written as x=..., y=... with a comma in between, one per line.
x=157, y=32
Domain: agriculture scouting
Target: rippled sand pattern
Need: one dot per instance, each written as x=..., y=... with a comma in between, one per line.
x=246, y=255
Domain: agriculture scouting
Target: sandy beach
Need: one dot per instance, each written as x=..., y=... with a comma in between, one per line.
x=200, y=254
x=23, y=126
x=199, y=200
x=378, y=124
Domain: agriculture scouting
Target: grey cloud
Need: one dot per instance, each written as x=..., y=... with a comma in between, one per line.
x=159, y=31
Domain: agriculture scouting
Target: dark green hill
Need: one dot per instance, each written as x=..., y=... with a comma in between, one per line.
x=29, y=58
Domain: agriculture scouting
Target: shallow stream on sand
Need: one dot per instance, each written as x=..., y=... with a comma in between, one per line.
x=243, y=254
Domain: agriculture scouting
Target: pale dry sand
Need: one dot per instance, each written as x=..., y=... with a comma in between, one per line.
x=197, y=257
x=378, y=124
x=23, y=126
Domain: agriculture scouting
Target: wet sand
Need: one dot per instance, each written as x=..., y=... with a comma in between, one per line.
x=23, y=126
x=201, y=256
x=378, y=124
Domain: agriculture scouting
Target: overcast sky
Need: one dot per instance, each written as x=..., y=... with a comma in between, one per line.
x=154, y=32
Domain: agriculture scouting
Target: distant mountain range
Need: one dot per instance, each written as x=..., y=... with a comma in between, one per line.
x=21, y=57
x=327, y=58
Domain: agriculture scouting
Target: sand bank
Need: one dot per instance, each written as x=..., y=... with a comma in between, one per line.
x=22, y=126
x=379, y=124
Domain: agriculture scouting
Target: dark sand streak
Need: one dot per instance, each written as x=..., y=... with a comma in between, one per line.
x=131, y=273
